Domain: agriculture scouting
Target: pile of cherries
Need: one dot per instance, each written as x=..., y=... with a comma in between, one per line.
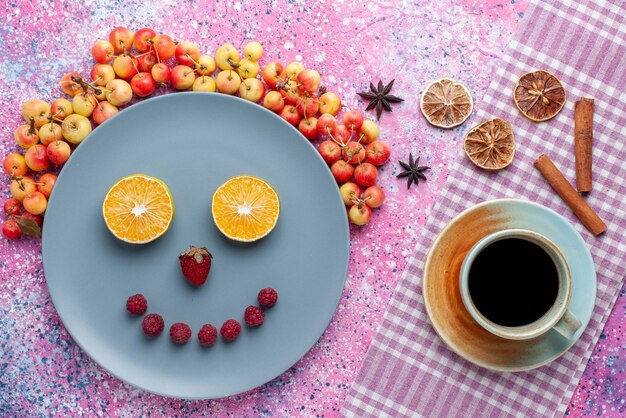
x=131, y=65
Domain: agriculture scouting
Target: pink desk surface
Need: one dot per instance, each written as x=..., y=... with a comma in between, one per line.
x=44, y=373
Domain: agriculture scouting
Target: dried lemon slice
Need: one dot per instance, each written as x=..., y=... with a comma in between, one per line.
x=491, y=144
x=445, y=103
x=245, y=208
x=539, y=95
x=138, y=209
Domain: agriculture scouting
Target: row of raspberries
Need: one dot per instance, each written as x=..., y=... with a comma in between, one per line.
x=180, y=333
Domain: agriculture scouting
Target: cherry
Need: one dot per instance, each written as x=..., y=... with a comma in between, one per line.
x=11, y=230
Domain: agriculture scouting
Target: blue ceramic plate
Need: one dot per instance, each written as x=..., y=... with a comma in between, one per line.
x=194, y=142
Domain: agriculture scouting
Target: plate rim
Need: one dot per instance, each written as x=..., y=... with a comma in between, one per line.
x=429, y=309
x=336, y=300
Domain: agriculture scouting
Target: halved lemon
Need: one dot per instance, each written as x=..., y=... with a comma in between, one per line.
x=245, y=208
x=138, y=209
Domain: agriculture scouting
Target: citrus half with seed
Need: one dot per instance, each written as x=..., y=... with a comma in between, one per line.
x=539, y=95
x=245, y=208
x=446, y=103
x=491, y=144
x=138, y=209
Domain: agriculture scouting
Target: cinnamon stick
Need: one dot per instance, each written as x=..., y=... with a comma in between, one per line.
x=577, y=204
x=583, y=138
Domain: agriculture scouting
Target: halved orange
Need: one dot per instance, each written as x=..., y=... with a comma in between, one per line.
x=138, y=209
x=446, y=103
x=491, y=144
x=245, y=208
x=539, y=95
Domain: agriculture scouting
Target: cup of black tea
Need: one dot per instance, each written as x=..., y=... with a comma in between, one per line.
x=516, y=284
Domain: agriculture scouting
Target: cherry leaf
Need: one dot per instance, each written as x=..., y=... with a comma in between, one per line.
x=29, y=227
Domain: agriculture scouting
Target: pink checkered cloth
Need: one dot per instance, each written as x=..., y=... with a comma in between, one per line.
x=408, y=370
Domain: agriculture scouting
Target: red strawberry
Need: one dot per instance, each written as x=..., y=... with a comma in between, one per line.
x=195, y=263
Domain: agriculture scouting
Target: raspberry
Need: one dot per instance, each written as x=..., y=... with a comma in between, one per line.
x=253, y=316
x=207, y=335
x=137, y=304
x=230, y=330
x=180, y=333
x=267, y=297
x=152, y=324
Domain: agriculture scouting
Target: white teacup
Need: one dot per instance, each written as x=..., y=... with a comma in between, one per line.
x=557, y=317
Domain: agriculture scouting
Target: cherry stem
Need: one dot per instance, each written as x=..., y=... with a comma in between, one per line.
x=20, y=183
x=200, y=68
x=32, y=130
x=92, y=98
x=87, y=87
x=333, y=138
x=191, y=59
x=156, y=51
x=232, y=63
x=133, y=61
x=304, y=103
x=358, y=202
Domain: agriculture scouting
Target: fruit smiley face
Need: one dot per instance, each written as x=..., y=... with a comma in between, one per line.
x=139, y=209
x=195, y=264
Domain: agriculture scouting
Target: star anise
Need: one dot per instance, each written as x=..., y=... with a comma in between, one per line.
x=380, y=97
x=413, y=171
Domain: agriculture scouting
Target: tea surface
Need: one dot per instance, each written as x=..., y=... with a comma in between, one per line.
x=513, y=282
